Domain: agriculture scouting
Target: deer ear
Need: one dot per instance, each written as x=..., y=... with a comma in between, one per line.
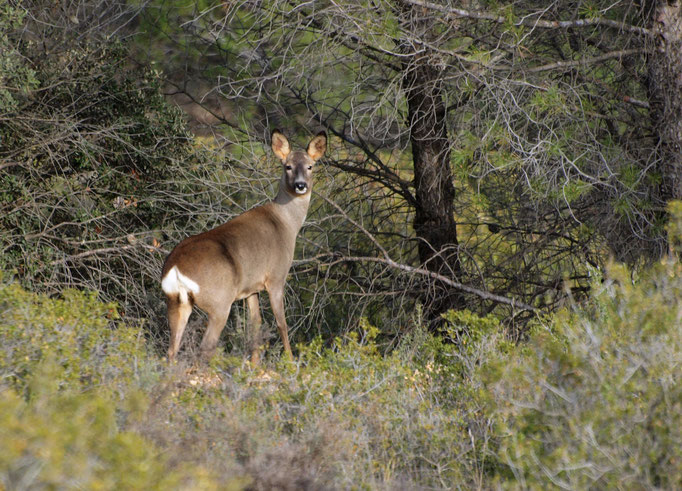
x=317, y=146
x=280, y=145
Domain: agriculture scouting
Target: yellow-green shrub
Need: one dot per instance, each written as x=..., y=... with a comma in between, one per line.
x=67, y=440
x=592, y=399
x=596, y=402
x=77, y=332
x=343, y=416
x=70, y=378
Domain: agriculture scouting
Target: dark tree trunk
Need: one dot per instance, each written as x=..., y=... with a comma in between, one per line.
x=434, y=223
x=665, y=97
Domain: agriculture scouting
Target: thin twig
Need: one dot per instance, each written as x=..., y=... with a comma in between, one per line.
x=93, y=252
x=585, y=61
x=454, y=284
x=421, y=271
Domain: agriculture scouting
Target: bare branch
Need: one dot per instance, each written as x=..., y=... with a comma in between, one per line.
x=585, y=61
x=435, y=276
x=421, y=271
x=546, y=24
x=636, y=102
x=93, y=252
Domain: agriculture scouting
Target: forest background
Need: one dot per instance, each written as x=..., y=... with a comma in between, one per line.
x=486, y=292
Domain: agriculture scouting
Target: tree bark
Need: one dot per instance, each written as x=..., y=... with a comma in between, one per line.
x=434, y=223
x=665, y=97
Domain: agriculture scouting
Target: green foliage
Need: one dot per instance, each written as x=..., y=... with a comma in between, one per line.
x=72, y=376
x=349, y=415
x=592, y=399
x=16, y=76
x=674, y=226
x=76, y=334
x=72, y=440
x=94, y=163
x=550, y=102
x=596, y=400
x=84, y=405
x=473, y=338
x=86, y=155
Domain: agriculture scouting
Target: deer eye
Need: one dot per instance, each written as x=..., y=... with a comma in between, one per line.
x=310, y=167
x=288, y=167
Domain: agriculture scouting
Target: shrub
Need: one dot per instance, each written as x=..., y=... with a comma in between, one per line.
x=345, y=416
x=76, y=334
x=88, y=145
x=69, y=440
x=99, y=177
x=72, y=379
x=593, y=399
x=596, y=400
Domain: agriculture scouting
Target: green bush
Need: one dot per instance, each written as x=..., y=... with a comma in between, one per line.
x=596, y=400
x=70, y=440
x=73, y=384
x=16, y=76
x=88, y=146
x=592, y=399
x=344, y=416
x=76, y=334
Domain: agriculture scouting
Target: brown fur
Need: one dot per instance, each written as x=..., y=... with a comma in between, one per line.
x=246, y=255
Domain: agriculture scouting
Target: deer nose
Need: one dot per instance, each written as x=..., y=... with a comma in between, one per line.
x=300, y=187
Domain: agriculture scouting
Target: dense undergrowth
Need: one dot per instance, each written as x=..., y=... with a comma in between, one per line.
x=99, y=178
x=592, y=399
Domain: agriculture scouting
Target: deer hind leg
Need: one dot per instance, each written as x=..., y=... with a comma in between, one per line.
x=178, y=314
x=255, y=340
x=216, y=323
x=276, y=294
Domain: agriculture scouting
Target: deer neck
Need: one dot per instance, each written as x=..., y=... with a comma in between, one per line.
x=291, y=207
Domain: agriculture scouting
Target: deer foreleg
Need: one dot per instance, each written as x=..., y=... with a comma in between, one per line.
x=255, y=340
x=277, y=303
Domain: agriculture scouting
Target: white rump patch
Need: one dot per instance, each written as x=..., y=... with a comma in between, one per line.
x=177, y=283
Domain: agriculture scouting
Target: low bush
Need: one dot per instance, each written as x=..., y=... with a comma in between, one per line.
x=76, y=334
x=72, y=378
x=339, y=417
x=70, y=440
x=591, y=399
x=596, y=399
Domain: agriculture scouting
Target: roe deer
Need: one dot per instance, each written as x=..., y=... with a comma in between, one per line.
x=238, y=259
